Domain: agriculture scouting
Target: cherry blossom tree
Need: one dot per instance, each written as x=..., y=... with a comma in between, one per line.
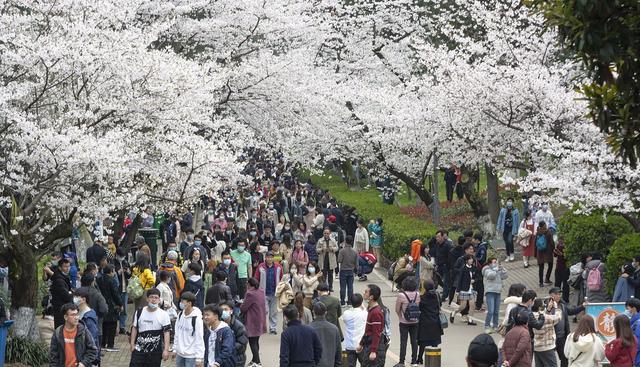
x=95, y=120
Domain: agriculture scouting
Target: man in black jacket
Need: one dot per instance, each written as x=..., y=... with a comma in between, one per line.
x=219, y=292
x=562, y=327
x=123, y=272
x=455, y=253
x=96, y=252
x=442, y=249
x=84, y=346
x=60, y=291
x=231, y=270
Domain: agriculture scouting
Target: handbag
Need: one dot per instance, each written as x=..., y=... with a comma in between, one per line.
x=444, y=321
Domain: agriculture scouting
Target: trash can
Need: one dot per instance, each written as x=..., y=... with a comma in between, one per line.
x=151, y=238
x=4, y=331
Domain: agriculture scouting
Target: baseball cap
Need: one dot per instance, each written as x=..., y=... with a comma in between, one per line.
x=483, y=350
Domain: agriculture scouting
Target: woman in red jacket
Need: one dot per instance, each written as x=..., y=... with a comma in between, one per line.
x=621, y=351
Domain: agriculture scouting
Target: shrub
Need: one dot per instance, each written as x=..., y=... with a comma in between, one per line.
x=591, y=233
x=622, y=251
x=29, y=352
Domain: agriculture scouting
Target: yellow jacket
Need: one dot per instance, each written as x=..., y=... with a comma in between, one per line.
x=147, y=279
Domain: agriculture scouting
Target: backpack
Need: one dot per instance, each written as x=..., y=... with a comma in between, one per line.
x=134, y=288
x=594, y=280
x=541, y=242
x=412, y=312
x=391, y=270
x=193, y=323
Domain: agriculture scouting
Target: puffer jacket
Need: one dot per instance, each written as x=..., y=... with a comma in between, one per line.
x=517, y=347
x=588, y=351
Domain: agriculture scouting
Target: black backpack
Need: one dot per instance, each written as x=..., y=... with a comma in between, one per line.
x=412, y=312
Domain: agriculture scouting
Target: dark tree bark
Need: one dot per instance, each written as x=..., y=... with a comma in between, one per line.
x=471, y=193
x=132, y=231
x=493, y=194
x=633, y=220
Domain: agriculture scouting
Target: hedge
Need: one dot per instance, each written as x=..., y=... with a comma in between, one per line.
x=622, y=251
x=591, y=233
x=399, y=228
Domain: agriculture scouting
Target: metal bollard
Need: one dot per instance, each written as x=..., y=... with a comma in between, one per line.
x=432, y=357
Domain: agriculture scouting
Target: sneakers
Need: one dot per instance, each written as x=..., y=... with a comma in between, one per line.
x=526, y=265
x=122, y=331
x=488, y=331
x=548, y=282
x=452, y=317
x=511, y=257
x=398, y=365
x=273, y=332
x=471, y=323
x=363, y=278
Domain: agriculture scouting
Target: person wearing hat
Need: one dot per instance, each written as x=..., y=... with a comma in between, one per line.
x=269, y=274
x=562, y=327
x=482, y=352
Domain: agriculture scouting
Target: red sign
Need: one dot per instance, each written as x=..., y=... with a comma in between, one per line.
x=604, y=322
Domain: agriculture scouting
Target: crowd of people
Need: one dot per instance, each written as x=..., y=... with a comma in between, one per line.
x=276, y=247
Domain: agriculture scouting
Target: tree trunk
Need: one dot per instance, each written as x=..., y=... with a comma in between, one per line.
x=477, y=203
x=493, y=194
x=24, y=291
x=633, y=220
x=132, y=232
x=417, y=187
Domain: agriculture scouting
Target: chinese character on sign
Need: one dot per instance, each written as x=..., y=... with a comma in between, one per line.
x=604, y=323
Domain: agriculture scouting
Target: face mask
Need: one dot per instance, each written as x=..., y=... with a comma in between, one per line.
x=270, y=206
x=226, y=315
x=226, y=262
x=240, y=248
x=76, y=301
x=120, y=258
x=229, y=232
x=152, y=306
x=312, y=270
x=198, y=242
x=287, y=228
x=182, y=306
x=221, y=217
x=545, y=207
x=190, y=237
x=493, y=266
x=253, y=233
x=294, y=271
x=628, y=313
x=509, y=204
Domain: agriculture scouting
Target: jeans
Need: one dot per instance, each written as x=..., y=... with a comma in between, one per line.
x=346, y=285
x=408, y=330
x=254, y=344
x=508, y=242
x=272, y=310
x=541, y=271
x=493, y=309
x=328, y=275
x=124, y=297
x=185, y=362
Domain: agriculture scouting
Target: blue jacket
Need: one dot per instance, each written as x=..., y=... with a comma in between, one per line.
x=623, y=290
x=225, y=346
x=90, y=321
x=299, y=346
x=515, y=216
x=635, y=326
